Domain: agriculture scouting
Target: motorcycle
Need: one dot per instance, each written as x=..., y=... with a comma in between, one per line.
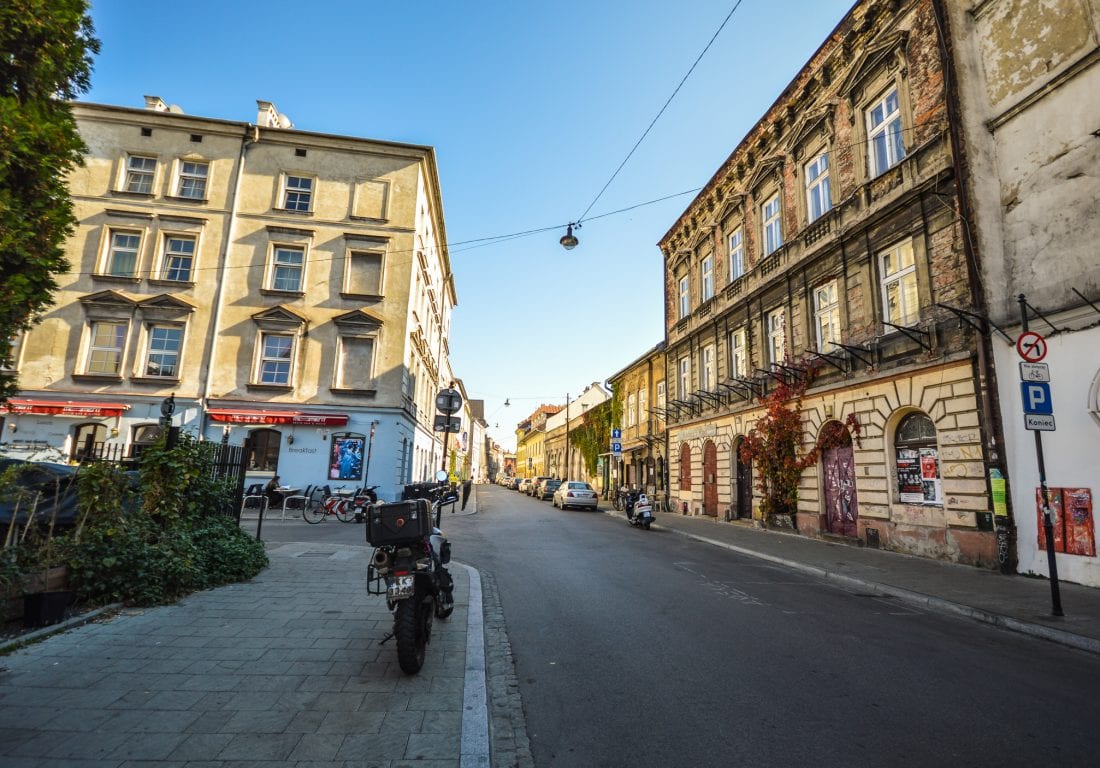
x=407, y=567
x=364, y=497
x=640, y=514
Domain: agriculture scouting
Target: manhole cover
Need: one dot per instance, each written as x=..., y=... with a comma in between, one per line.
x=317, y=554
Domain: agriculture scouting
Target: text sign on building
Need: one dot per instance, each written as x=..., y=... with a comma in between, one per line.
x=1034, y=372
x=1039, y=422
x=1036, y=396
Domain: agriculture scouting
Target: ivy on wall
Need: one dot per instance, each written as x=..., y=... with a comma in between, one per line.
x=594, y=436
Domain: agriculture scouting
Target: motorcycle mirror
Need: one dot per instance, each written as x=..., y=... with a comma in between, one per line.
x=441, y=475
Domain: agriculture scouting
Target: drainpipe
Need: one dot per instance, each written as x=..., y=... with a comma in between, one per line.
x=987, y=379
x=251, y=136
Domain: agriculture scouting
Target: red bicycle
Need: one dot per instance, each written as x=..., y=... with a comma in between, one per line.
x=334, y=503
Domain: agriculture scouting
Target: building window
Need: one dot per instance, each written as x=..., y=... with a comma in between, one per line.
x=364, y=274
x=179, y=258
x=685, y=467
x=286, y=270
x=739, y=353
x=631, y=404
x=737, y=255
x=818, y=197
x=276, y=355
x=917, y=461
x=900, y=304
x=685, y=377
x=660, y=396
x=826, y=316
x=706, y=382
x=643, y=405
x=706, y=274
x=885, y=147
x=192, y=179
x=162, y=359
x=123, y=254
x=773, y=236
x=106, y=343
x=10, y=360
x=139, y=174
x=777, y=336
x=353, y=370
x=298, y=193
x=264, y=446
x=685, y=301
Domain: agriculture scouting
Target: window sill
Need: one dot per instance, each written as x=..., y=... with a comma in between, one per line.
x=353, y=391
x=369, y=218
x=114, y=378
x=116, y=278
x=362, y=296
x=270, y=387
x=159, y=380
x=193, y=200
x=294, y=212
x=134, y=195
x=177, y=283
x=276, y=292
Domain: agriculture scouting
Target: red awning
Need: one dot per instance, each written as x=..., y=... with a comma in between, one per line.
x=19, y=405
x=248, y=416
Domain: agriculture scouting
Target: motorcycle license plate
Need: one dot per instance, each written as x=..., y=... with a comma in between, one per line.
x=400, y=588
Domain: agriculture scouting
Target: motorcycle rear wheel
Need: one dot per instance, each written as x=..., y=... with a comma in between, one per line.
x=412, y=626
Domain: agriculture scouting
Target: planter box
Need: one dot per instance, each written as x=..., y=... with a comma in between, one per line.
x=11, y=603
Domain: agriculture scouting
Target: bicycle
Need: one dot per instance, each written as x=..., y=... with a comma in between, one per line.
x=332, y=503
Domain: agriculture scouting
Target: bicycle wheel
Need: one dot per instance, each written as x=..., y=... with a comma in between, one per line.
x=313, y=512
x=345, y=511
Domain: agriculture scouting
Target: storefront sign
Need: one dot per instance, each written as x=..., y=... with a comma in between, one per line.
x=278, y=417
x=65, y=408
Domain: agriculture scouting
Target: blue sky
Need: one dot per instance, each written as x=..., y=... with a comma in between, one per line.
x=530, y=107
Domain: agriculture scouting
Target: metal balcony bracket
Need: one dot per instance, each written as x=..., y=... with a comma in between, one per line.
x=1054, y=330
x=1095, y=308
x=831, y=358
x=855, y=352
x=970, y=317
x=924, y=338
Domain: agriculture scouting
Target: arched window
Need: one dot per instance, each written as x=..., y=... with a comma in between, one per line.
x=88, y=441
x=917, y=461
x=685, y=467
x=264, y=449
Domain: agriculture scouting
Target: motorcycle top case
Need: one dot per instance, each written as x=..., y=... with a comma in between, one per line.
x=399, y=523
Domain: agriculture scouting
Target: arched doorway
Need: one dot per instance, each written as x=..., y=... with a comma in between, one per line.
x=685, y=467
x=710, y=479
x=839, y=473
x=742, y=484
x=85, y=439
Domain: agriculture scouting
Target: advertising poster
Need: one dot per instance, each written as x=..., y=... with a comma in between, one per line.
x=930, y=475
x=910, y=487
x=346, y=457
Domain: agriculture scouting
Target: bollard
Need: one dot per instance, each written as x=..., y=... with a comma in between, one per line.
x=260, y=521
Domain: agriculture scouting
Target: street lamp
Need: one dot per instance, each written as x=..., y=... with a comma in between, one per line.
x=569, y=241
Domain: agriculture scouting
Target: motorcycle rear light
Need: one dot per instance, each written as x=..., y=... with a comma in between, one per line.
x=401, y=573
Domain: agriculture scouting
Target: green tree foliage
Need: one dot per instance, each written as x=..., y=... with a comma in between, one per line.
x=594, y=437
x=46, y=49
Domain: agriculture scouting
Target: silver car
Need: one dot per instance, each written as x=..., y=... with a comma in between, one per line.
x=575, y=494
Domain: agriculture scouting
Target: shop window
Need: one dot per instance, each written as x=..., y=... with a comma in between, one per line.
x=263, y=450
x=917, y=461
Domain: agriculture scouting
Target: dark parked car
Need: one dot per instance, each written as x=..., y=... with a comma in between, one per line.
x=546, y=489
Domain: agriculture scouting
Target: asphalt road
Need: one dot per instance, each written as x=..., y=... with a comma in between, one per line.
x=637, y=648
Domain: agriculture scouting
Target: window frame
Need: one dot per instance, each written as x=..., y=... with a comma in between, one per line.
x=149, y=352
x=110, y=250
x=684, y=296
x=166, y=256
x=360, y=253
x=129, y=174
x=922, y=462
x=818, y=187
x=274, y=267
x=631, y=404
x=706, y=277
x=829, y=311
x=262, y=358
x=707, y=379
x=883, y=130
x=736, y=253
x=776, y=332
x=901, y=276
x=287, y=190
x=739, y=353
x=182, y=176
x=683, y=380
x=771, y=227
x=91, y=347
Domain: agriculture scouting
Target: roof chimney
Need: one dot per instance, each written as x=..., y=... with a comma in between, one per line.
x=268, y=116
x=155, y=103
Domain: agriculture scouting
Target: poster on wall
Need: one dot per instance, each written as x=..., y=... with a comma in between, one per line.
x=346, y=457
x=910, y=486
x=930, y=475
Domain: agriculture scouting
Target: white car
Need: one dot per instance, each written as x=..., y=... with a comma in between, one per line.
x=575, y=494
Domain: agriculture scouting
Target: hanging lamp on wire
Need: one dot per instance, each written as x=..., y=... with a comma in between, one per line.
x=569, y=241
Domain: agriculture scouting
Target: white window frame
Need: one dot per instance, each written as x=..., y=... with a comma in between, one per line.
x=818, y=193
x=777, y=335
x=281, y=268
x=706, y=277
x=685, y=297
x=827, y=315
x=893, y=271
x=192, y=178
x=643, y=405
x=154, y=348
x=884, y=131
x=265, y=358
x=706, y=372
x=737, y=254
x=138, y=177
x=172, y=258
x=771, y=216
x=97, y=346
x=739, y=352
x=631, y=404
x=684, y=381
x=112, y=250
x=296, y=196
x=661, y=395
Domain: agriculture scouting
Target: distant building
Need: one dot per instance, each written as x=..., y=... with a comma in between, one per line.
x=640, y=387
x=288, y=287
x=563, y=459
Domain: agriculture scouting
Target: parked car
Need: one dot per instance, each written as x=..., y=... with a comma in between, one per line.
x=525, y=485
x=513, y=483
x=532, y=489
x=575, y=494
x=546, y=489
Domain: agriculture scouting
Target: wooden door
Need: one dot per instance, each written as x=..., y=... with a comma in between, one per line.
x=744, y=484
x=710, y=479
x=841, y=508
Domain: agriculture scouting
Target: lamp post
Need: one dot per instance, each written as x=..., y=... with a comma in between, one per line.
x=569, y=241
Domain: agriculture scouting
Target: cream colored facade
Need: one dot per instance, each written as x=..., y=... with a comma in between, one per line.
x=286, y=286
x=566, y=462
x=531, y=456
x=640, y=387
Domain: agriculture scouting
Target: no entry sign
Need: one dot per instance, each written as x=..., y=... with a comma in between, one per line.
x=1031, y=346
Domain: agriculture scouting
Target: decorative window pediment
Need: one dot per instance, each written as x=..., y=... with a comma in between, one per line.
x=734, y=204
x=815, y=125
x=280, y=319
x=357, y=321
x=765, y=170
x=109, y=304
x=888, y=52
x=166, y=306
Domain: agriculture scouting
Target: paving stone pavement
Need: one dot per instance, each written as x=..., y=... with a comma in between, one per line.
x=284, y=670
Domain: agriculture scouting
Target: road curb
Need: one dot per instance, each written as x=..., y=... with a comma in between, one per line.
x=30, y=637
x=918, y=599
x=474, y=751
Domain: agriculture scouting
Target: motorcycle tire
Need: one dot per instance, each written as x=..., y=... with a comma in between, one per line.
x=647, y=524
x=618, y=506
x=345, y=512
x=412, y=626
x=445, y=603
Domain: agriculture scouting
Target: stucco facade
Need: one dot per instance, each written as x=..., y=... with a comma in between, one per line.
x=286, y=286
x=640, y=387
x=826, y=254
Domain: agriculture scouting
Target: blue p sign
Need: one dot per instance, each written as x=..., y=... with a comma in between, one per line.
x=1036, y=396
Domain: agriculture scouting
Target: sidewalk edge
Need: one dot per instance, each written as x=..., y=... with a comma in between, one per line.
x=474, y=750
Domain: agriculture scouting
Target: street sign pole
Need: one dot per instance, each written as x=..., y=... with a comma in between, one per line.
x=1048, y=517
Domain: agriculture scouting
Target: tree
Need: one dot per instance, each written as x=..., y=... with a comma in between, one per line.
x=593, y=437
x=46, y=49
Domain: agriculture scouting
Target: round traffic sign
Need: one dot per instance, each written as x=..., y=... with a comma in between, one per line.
x=1031, y=346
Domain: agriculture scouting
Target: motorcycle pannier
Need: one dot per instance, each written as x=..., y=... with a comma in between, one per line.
x=399, y=523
